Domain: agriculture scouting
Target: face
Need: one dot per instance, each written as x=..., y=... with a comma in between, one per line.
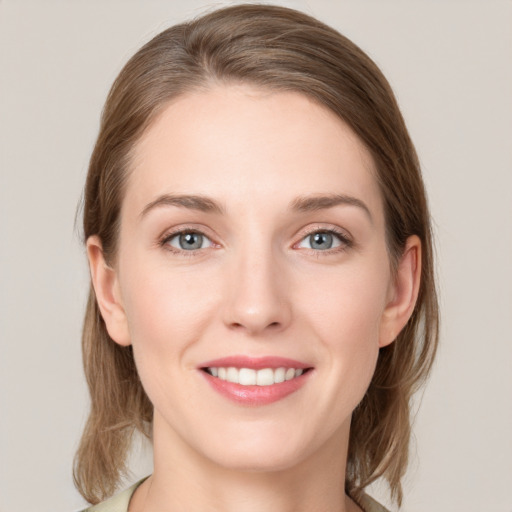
x=252, y=276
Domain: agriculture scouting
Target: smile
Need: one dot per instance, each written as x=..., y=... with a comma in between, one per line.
x=252, y=377
x=256, y=381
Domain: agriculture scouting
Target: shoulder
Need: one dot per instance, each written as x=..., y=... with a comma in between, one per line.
x=368, y=504
x=118, y=503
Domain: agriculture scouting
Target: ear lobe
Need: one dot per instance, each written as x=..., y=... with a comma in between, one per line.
x=106, y=288
x=403, y=293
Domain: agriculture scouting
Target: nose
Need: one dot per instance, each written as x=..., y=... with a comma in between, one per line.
x=258, y=299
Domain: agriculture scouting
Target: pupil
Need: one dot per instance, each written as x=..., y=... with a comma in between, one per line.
x=321, y=241
x=191, y=241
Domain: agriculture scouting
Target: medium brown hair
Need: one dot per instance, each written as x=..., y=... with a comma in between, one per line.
x=279, y=49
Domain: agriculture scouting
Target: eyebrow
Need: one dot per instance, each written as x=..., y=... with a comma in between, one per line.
x=300, y=204
x=192, y=202
x=323, y=202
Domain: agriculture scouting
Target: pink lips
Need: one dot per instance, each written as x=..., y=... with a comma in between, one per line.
x=255, y=395
x=256, y=363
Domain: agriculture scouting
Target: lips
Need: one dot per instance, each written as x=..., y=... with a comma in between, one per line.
x=255, y=381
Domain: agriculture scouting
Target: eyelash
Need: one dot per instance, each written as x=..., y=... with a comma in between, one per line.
x=346, y=242
x=164, y=242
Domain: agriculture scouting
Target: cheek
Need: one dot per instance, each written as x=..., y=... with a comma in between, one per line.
x=166, y=312
x=346, y=319
x=162, y=306
x=348, y=305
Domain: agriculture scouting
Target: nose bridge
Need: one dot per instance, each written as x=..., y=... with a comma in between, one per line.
x=258, y=295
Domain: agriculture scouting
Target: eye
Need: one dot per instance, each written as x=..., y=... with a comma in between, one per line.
x=323, y=241
x=188, y=241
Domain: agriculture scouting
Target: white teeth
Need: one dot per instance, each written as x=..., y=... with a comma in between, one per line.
x=232, y=375
x=279, y=375
x=250, y=377
x=265, y=377
x=247, y=377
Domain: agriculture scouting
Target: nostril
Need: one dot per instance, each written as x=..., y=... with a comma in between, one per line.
x=271, y=326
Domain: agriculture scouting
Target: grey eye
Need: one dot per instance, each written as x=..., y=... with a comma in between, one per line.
x=321, y=241
x=189, y=241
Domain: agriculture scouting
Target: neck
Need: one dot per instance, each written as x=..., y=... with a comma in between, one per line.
x=185, y=480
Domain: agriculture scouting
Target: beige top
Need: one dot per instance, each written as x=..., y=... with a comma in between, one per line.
x=120, y=502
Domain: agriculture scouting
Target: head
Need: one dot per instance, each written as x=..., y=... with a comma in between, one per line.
x=271, y=51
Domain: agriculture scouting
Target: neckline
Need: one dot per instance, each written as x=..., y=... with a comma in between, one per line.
x=122, y=500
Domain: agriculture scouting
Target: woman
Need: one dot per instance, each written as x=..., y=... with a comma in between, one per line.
x=263, y=302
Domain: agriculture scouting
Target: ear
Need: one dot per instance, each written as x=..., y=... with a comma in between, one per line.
x=403, y=292
x=108, y=296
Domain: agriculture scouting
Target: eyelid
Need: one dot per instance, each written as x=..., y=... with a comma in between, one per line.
x=177, y=236
x=343, y=236
x=169, y=234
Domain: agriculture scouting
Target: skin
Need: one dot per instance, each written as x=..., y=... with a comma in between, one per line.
x=257, y=287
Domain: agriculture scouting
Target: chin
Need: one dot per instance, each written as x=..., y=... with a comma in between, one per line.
x=259, y=462
x=265, y=451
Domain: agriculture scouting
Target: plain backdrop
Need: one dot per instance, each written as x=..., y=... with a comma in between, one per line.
x=449, y=63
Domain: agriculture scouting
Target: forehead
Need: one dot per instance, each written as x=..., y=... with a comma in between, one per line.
x=242, y=143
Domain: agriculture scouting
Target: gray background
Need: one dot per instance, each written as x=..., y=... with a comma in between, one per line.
x=450, y=65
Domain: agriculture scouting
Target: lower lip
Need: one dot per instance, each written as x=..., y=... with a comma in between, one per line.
x=256, y=395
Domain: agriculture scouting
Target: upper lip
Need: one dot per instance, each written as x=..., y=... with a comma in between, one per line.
x=256, y=363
